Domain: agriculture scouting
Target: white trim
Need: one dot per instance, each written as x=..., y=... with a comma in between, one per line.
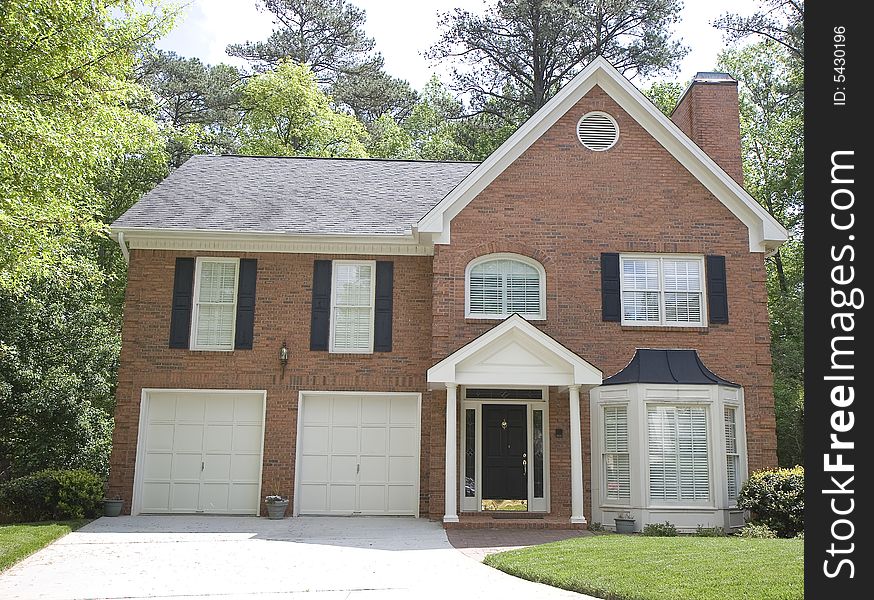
x=195, y=305
x=765, y=233
x=316, y=393
x=579, y=371
x=136, y=498
x=603, y=114
x=663, y=322
x=511, y=256
x=332, y=320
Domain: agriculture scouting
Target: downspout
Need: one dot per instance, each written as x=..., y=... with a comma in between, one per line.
x=124, y=251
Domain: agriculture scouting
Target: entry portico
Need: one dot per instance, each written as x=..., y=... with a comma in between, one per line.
x=514, y=355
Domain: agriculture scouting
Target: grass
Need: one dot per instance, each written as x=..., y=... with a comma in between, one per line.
x=624, y=567
x=20, y=541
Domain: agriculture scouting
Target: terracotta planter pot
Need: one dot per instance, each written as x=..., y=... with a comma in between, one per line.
x=112, y=508
x=276, y=510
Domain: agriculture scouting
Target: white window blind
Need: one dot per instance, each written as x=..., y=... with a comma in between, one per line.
x=732, y=456
x=352, y=307
x=215, y=305
x=662, y=291
x=500, y=287
x=678, y=455
x=617, y=469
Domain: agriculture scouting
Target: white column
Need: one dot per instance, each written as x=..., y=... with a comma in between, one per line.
x=451, y=493
x=576, y=457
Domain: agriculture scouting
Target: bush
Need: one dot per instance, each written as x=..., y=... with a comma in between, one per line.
x=51, y=495
x=660, y=530
x=595, y=526
x=776, y=499
x=756, y=531
x=709, y=532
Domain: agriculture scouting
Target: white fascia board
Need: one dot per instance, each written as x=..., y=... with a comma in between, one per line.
x=765, y=233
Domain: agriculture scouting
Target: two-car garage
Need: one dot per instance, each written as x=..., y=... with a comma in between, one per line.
x=201, y=451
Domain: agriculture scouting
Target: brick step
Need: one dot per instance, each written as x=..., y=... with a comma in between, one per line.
x=478, y=521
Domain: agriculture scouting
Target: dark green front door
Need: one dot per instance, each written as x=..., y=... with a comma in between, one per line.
x=505, y=447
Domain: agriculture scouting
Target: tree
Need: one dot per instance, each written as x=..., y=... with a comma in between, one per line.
x=287, y=115
x=781, y=21
x=518, y=54
x=665, y=95
x=197, y=105
x=772, y=125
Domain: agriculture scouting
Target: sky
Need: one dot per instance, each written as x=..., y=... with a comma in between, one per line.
x=404, y=29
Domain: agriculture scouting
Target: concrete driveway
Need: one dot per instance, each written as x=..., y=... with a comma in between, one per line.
x=319, y=558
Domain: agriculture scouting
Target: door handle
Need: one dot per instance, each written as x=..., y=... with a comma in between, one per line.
x=525, y=467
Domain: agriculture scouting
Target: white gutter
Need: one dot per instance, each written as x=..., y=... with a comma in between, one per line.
x=124, y=251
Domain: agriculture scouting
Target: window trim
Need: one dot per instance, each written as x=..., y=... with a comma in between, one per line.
x=541, y=316
x=735, y=409
x=711, y=451
x=606, y=499
x=332, y=320
x=662, y=322
x=195, y=304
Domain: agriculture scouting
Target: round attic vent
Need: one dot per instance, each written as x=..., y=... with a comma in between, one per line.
x=597, y=131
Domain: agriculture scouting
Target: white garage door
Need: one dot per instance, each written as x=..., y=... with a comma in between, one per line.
x=359, y=454
x=200, y=451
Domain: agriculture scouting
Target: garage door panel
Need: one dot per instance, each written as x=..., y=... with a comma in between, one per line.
x=214, y=497
x=217, y=466
x=220, y=409
x=162, y=407
x=247, y=438
x=218, y=438
x=159, y=437
x=190, y=408
x=242, y=497
x=156, y=497
x=352, y=446
x=184, y=497
x=246, y=411
x=245, y=468
x=188, y=437
x=374, y=410
x=157, y=465
x=186, y=467
x=373, y=469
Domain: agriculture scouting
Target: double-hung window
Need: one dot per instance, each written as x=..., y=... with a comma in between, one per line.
x=352, y=303
x=662, y=290
x=215, y=304
x=732, y=456
x=678, y=453
x=617, y=469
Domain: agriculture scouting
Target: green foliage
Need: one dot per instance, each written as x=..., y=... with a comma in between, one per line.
x=709, y=532
x=51, y=495
x=516, y=55
x=756, y=531
x=287, y=115
x=660, y=530
x=776, y=499
x=665, y=95
x=595, y=527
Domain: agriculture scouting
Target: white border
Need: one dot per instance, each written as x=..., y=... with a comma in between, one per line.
x=332, y=321
x=663, y=322
x=512, y=256
x=603, y=114
x=136, y=499
x=195, y=307
x=297, y=445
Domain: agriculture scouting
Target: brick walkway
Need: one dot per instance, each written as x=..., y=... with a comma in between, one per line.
x=477, y=543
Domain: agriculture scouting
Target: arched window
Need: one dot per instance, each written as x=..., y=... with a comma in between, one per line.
x=499, y=285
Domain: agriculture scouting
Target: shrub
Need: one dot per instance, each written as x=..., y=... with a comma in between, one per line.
x=660, y=530
x=595, y=526
x=51, y=495
x=709, y=532
x=776, y=499
x=756, y=531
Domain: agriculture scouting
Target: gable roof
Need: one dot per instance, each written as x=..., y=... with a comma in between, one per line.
x=666, y=366
x=765, y=233
x=308, y=196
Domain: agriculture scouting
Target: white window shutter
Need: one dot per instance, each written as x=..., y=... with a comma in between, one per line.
x=617, y=466
x=732, y=457
x=678, y=453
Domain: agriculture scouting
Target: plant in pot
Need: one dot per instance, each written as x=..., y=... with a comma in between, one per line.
x=276, y=506
x=112, y=506
x=624, y=522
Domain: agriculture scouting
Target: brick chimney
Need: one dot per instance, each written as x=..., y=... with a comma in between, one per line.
x=708, y=113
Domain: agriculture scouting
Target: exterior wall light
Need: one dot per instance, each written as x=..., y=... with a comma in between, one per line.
x=283, y=354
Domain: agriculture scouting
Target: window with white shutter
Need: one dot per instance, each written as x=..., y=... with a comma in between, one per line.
x=617, y=469
x=732, y=456
x=215, y=304
x=678, y=453
x=662, y=290
x=352, y=301
x=500, y=285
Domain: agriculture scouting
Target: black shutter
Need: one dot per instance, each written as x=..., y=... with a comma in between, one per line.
x=183, y=294
x=321, y=315
x=611, y=295
x=246, y=304
x=717, y=290
x=383, y=309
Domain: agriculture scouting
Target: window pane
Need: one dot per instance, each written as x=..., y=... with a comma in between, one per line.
x=681, y=307
x=640, y=306
x=538, y=453
x=523, y=294
x=731, y=464
x=352, y=328
x=615, y=429
x=215, y=326
x=469, y=453
x=732, y=460
x=682, y=275
x=640, y=274
x=504, y=286
x=217, y=281
x=485, y=294
x=618, y=476
x=730, y=432
x=678, y=453
x=353, y=284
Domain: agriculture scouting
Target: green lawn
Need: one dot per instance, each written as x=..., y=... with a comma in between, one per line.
x=20, y=541
x=624, y=567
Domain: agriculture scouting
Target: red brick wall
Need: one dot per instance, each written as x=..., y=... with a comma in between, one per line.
x=282, y=313
x=564, y=205
x=709, y=115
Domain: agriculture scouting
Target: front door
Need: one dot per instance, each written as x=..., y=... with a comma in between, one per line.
x=505, y=447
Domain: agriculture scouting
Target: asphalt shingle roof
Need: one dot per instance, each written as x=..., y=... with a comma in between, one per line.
x=295, y=195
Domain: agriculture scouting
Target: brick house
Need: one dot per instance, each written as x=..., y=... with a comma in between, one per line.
x=572, y=329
